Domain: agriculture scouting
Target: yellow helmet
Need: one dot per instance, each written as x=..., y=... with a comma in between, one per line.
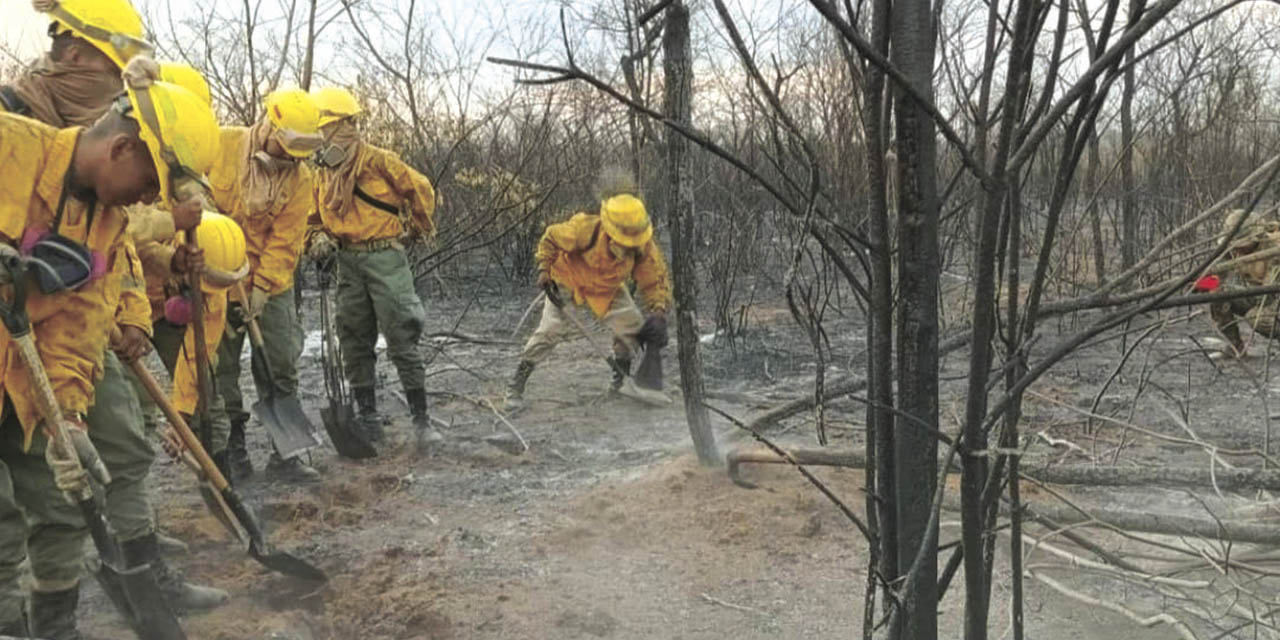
x=625, y=220
x=186, y=76
x=294, y=115
x=335, y=103
x=183, y=147
x=114, y=27
x=224, y=250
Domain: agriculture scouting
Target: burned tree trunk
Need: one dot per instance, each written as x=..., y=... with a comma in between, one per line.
x=678, y=98
x=916, y=449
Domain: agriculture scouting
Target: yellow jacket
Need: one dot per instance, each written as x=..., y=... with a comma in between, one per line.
x=185, y=381
x=576, y=255
x=157, y=258
x=134, y=310
x=70, y=328
x=274, y=239
x=385, y=178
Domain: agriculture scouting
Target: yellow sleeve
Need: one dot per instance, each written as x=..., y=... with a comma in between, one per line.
x=414, y=188
x=149, y=224
x=569, y=236
x=652, y=278
x=135, y=309
x=72, y=355
x=280, y=254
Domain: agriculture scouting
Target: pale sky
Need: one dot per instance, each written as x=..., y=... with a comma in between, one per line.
x=22, y=30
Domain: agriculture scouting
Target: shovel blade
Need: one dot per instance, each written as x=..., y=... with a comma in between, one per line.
x=340, y=423
x=277, y=561
x=647, y=396
x=287, y=564
x=290, y=430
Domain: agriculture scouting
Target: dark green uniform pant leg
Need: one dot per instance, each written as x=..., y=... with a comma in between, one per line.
x=376, y=294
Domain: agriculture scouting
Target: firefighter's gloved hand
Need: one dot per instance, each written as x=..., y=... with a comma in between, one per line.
x=257, y=302
x=654, y=331
x=322, y=247
x=552, y=290
x=71, y=470
x=131, y=344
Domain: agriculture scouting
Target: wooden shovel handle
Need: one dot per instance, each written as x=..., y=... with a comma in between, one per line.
x=255, y=331
x=189, y=438
x=204, y=380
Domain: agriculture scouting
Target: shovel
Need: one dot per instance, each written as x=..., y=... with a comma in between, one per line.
x=133, y=591
x=628, y=388
x=339, y=417
x=225, y=503
x=290, y=429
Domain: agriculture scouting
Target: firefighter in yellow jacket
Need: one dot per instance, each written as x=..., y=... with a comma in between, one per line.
x=588, y=260
x=74, y=84
x=67, y=187
x=361, y=192
x=259, y=180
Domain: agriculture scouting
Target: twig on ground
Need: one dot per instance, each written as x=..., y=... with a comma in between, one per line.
x=524, y=446
x=736, y=607
x=1149, y=621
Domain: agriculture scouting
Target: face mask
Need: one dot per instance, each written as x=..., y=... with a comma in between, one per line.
x=330, y=156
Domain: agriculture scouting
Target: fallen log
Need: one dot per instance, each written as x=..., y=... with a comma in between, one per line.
x=1091, y=475
x=1064, y=515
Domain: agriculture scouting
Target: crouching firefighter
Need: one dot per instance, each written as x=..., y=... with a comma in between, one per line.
x=588, y=261
x=361, y=191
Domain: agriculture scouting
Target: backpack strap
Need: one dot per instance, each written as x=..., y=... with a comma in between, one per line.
x=376, y=203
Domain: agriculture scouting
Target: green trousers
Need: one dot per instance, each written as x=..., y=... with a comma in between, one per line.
x=117, y=430
x=168, y=340
x=52, y=534
x=376, y=293
x=282, y=342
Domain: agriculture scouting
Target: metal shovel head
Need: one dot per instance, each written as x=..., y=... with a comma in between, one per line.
x=278, y=561
x=290, y=430
x=647, y=396
x=286, y=563
x=340, y=423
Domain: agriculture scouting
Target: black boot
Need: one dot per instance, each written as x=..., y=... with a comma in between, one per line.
x=237, y=454
x=426, y=435
x=621, y=367
x=515, y=388
x=180, y=595
x=53, y=614
x=291, y=469
x=370, y=421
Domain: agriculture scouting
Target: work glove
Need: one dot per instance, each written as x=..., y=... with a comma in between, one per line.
x=186, y=259
x=71, y=470
x=257, y=302
x=322, y=247
x=552, y=290
x=131, y=344
x=653, y=333
x=187, y=210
